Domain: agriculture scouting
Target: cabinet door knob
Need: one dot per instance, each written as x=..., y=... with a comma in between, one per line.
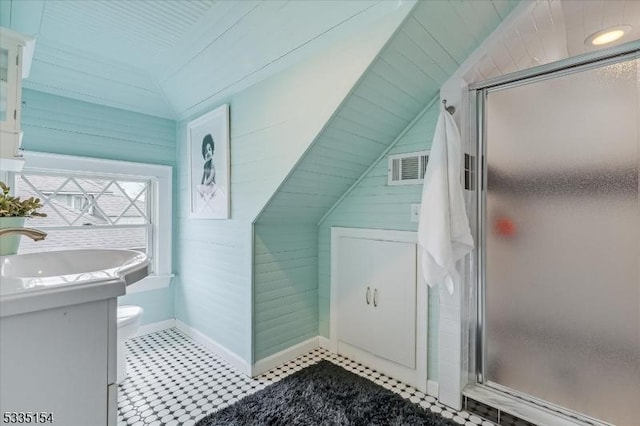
x=375, y=297
x=367, y=297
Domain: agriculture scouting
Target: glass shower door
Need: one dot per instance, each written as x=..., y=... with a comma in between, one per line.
x=562, y=241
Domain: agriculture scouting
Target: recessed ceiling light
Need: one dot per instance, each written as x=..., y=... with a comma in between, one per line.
x=608, y=35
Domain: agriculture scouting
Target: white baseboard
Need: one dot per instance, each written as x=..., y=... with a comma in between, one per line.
x=228, y=355
x=432, y=388
x=281, y=357
x=261, y=366
x=155, y=326
x=324, y=343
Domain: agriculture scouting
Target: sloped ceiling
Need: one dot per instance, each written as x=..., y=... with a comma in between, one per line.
x=149, y=56
x=428, y=48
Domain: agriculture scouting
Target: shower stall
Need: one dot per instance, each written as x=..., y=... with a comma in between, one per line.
x=557, y=286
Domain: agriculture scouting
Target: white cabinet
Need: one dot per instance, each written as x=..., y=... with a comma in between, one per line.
x=378, y=307
x=15, y=56
x=377, y=298
x=61, y=361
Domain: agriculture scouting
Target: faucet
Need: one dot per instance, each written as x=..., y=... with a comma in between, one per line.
x=34, y=234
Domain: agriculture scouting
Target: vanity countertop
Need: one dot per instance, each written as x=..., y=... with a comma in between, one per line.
x=39, y=281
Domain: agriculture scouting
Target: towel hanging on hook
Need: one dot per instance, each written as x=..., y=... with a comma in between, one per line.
x=443, y=229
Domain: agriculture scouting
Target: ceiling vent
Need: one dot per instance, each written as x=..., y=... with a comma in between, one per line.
x=408, y=168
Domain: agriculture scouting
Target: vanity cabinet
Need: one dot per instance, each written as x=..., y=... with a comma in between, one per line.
x=61, y=362
x=15, y=57
x=378, y=302
x=58, y=333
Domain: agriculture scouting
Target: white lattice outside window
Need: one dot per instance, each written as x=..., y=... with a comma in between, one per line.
x=88, y=212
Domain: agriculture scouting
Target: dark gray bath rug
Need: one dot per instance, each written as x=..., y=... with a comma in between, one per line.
x=324, y=394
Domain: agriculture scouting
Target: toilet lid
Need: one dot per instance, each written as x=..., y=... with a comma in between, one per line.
x=128, y=314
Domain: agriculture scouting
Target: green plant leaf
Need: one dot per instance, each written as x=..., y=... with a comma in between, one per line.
x=11, y=206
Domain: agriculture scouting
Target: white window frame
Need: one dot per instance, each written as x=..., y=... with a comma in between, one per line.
x=161, y=178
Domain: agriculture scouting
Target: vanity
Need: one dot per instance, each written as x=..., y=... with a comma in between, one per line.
x=58, y=334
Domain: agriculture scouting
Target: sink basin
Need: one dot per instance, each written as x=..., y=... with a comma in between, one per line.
x=59, y=269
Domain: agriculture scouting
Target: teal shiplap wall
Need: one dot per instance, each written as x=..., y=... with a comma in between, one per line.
x=374, y=204
x=272, y=125
x=61, y=125
x=427, y=48
x=286, y=296
x=348, y=142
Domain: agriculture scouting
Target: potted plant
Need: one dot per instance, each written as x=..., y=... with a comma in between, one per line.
x=13, y=212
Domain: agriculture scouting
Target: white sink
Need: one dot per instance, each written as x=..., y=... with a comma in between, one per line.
x=61, y=269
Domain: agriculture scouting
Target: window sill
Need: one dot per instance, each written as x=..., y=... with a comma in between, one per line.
x=152, y=282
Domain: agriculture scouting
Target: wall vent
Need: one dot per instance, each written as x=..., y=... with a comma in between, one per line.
x=408, y=168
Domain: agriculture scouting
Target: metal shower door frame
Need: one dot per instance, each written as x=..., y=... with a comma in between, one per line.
x=477, y=106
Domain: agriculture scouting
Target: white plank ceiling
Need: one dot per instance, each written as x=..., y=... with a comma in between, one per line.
x=552, y=30
x=137, y=55
x=166, y=57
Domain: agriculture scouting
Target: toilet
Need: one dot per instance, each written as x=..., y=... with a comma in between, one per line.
x=129, y=317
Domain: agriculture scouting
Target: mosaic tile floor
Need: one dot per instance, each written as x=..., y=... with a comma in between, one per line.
x=175, y=381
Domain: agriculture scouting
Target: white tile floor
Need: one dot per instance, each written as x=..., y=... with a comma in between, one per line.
x=176, y=381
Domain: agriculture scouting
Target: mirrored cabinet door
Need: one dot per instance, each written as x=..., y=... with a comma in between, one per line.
x=4, y=81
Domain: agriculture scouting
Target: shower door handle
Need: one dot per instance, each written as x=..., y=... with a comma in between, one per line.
x=367, y=296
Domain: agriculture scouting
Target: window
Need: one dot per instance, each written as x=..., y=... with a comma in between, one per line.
x=86, y=211
x=93, y=203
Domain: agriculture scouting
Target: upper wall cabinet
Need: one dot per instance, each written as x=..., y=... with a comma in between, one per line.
x=16, y=51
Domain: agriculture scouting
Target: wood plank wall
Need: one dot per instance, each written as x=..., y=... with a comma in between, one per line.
x=272, y=125
x=429, y=46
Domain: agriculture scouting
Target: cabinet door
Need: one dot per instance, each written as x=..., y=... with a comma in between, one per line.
x=10, y=95
x=355, y=275
x=55, y=360
x=8, y=85
x=4, y=82
x=394, y=304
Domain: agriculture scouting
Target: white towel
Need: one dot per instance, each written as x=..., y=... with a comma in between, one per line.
x=443, y=230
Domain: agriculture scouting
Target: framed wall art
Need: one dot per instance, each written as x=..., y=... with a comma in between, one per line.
x=209, y=177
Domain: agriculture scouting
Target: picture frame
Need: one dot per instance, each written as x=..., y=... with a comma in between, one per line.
x=209, y=173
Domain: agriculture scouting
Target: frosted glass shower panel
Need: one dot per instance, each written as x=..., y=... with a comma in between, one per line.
x=562, y=244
